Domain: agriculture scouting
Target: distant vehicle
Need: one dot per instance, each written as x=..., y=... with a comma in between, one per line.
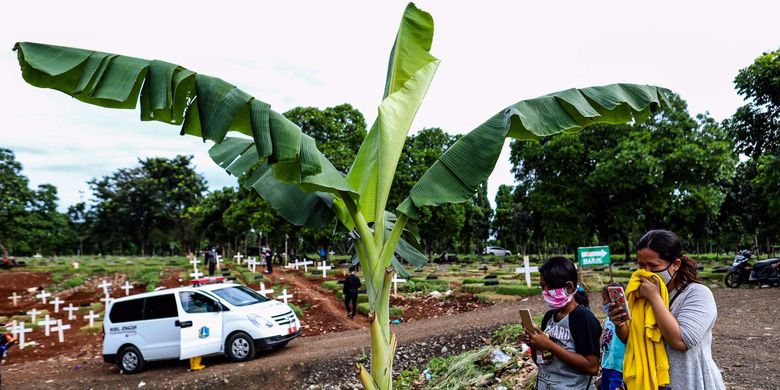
x=496, y=251
x=763, y=272
x=202, y=320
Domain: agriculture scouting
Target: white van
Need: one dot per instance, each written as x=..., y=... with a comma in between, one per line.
x=184, y=322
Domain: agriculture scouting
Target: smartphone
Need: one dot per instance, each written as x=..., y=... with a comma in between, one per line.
x=618, y=297
x=525, y=318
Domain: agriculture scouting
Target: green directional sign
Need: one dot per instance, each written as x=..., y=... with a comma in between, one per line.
x=593, y=255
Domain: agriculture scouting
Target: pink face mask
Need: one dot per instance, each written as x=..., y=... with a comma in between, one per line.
x=557, y=298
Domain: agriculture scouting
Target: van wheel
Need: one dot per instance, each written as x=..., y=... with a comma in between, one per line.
x=240, y=347
x=130, y=360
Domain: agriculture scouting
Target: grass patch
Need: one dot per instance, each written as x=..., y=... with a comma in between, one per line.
x=330, y=285
x=518, y=290
x=361, y=297
x=424, y=285
x=92, y=329
x=477, y=288
x=297, y=310
x=75, y=281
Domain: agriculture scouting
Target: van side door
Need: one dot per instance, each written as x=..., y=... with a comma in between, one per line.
x=200, y=320
x=159, y=330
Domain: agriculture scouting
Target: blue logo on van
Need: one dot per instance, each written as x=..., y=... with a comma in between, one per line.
x=203, y=332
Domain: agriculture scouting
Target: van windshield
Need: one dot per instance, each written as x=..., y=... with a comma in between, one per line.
x=240, y=296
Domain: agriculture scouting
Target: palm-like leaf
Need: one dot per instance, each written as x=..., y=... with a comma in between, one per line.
x=469, y=162
x=409, y=75
x=208, y=107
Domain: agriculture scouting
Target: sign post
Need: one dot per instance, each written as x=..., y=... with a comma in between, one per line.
x=594, y=255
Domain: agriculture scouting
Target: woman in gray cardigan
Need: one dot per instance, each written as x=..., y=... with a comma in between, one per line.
x=687, y=324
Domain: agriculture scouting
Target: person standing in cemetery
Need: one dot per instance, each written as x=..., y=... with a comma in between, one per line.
x=212, y=260
x=351, y=287
x=567, y=350
x=612, y=349
x=269, y=261
x=686, y=324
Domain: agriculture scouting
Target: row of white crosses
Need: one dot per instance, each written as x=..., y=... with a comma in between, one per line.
x=299, y=263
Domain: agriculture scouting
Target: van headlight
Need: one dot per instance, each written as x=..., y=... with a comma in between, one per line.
x=260, y=321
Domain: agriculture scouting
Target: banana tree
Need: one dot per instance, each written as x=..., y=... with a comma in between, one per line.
x=273, y=156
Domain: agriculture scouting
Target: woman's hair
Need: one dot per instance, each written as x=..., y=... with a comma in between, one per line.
x=557, y=271
x=669, y=248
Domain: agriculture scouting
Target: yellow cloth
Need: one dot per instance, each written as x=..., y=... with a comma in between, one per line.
x=645, y=365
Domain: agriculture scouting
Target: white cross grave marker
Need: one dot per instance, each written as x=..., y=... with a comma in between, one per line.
x=284, y=296
x=57, y=302
x=238, y=258
x=59, y=328
x=306, y=265
x=14, y=298
x=33, y=314
x=47, y=325
x=105, y=285
x=43, y=295
x=395, y=281
x=253, y=264
x=324, y=268
x=106, y=300
x=296, y=264
x=196, y=275
x=194, y=261
x=127, y=287
x=527, y=269
x=219, y=259
x=263, y=291
x=91, y=317
x=21, y=330
x=70, y=309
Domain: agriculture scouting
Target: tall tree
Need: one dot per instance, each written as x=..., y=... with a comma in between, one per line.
x=14, y=198
x=152, y=200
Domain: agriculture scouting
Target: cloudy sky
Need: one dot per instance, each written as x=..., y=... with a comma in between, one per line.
x=294, y=53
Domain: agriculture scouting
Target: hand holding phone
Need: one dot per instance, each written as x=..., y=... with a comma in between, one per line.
x=618, y=298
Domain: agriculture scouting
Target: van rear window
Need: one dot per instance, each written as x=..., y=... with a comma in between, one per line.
x=160, y=306
x=240, y=295
x=132, y=310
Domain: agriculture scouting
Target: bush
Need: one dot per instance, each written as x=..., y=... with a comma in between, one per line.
x=508, y=333
x=522, y=291
x=473, y=280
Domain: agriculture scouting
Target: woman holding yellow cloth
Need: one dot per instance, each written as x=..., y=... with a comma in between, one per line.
x=683, y=319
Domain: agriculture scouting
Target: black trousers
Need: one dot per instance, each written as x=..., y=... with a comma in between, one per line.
x=269, y=264
x=212, y=266
x=351, y=298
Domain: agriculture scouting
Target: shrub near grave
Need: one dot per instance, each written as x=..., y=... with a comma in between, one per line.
x=331, y=285
x=424, y=285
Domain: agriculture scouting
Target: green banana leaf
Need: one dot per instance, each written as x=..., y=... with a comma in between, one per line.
x=458, y=172
x=409, y=74
x=207, y=107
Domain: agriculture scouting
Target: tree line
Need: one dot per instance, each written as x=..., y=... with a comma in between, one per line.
x=717, y=184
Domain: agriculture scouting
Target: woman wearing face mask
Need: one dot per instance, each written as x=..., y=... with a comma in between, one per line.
x=567, y=352
x=686, y=325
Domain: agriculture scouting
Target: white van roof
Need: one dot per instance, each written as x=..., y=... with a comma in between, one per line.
x=204, y=287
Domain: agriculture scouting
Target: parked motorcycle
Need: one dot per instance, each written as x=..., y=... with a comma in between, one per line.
x=763, y=272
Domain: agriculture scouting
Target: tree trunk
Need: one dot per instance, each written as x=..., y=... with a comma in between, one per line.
x=627, y=248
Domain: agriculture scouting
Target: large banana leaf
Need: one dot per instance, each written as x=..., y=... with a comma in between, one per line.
x=455, y=176
x=409, y=74
x=208, y=107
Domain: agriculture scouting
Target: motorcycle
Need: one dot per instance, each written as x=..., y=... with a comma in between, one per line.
x=763, y=272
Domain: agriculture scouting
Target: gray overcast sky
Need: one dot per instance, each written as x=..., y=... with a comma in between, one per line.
x=296, y=53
